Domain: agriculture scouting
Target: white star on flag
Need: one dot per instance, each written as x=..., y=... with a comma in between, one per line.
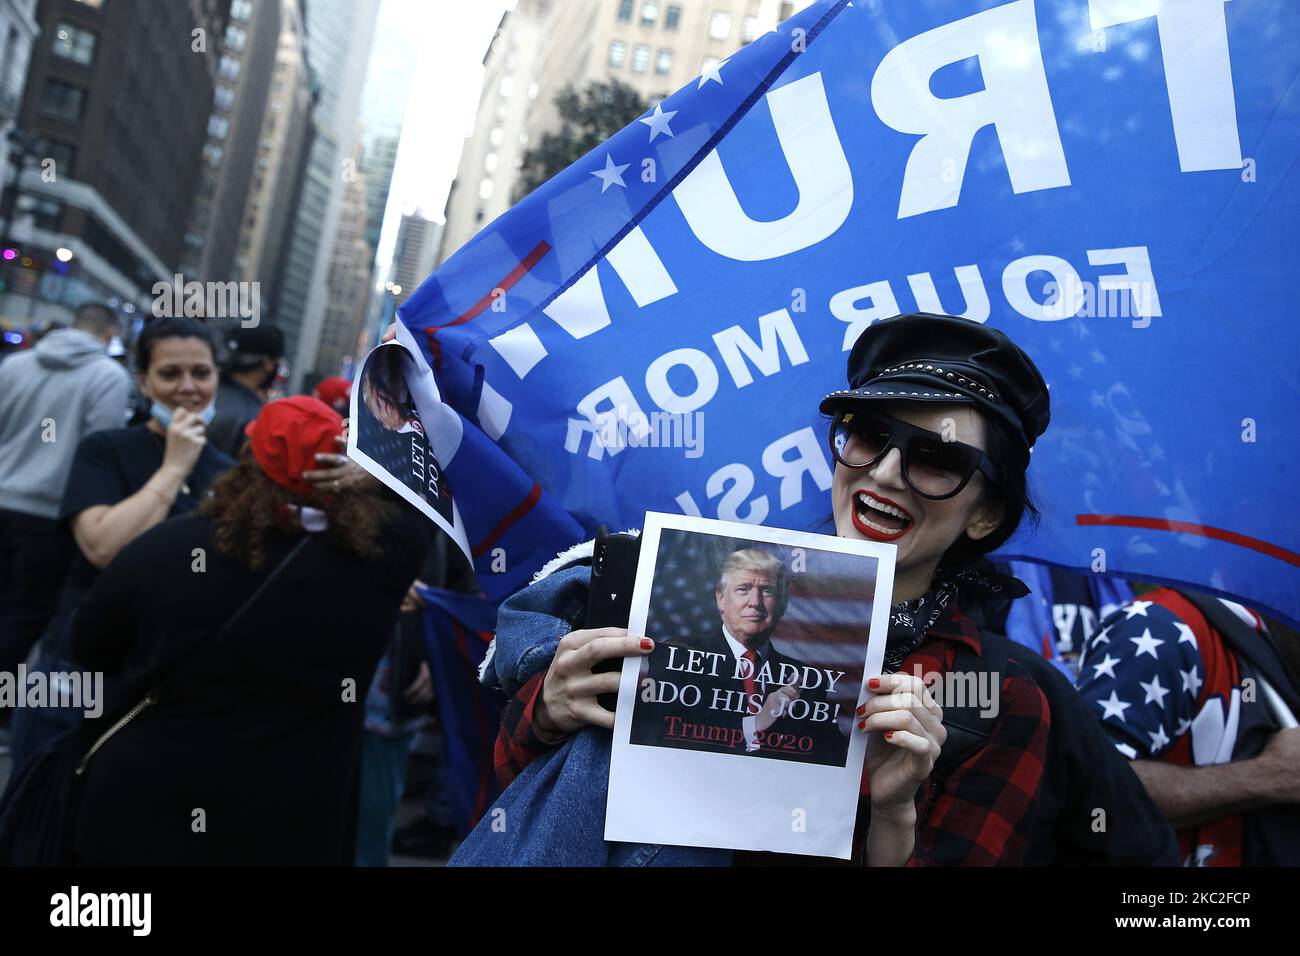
x=1146, y=644
x=1136, y=609
x=1183, y=725
x=611, y=175
x=1185, y=634
x=1191, y=681
x=713, y=74
x=1101, y=638
x=1107, y=667
x=1127, y=751
x=658, y=122
x=1114, y=707
x=1155, y=693
x=1158, y=739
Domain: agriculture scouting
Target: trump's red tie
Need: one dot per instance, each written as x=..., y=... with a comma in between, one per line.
x=750, y=672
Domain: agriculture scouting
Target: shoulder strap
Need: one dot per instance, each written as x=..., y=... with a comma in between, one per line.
x=172, y=679
x=183, y=666
x=1257, y=649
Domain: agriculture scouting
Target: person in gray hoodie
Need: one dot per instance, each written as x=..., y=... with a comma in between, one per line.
x=51, y=397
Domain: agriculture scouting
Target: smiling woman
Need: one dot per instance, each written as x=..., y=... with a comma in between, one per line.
x=124, y=481
x=931, y=438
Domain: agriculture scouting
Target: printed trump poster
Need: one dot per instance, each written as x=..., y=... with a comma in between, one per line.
x=389, y=438
x=738, y=729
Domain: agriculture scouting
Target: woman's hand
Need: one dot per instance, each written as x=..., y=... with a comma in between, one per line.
x=907, y=732
x=338, y=472
x=186, y=436
x=568, y=699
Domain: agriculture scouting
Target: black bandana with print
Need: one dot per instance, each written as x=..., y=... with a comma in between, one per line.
x=910, y=621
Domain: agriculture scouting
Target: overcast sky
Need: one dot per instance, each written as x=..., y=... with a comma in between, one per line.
x=441, y=112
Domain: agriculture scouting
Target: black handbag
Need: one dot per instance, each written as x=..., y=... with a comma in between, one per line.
x=38, y=808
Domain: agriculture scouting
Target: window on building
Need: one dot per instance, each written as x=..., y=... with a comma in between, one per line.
x=720, y=25
x=507, y=87
x=63, y=101
x=212, y=154
x=495, y=136
x=640, y=58
x=63, y=155
x=46, y=214
x=485, y=189
x=236, y=38
x=490, y=163
x=649, y=13
x=749, y=30
x=625, y=10
x=241, y=9
x=673, y=18
x=617, y=53
x=74, y=44
x=664, y=61
x=533, y=90
x=223, y=97
x=218, y=126
x=228, y=68
x=787, y=11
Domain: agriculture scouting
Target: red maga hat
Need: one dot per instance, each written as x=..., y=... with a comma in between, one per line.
x=287, y=435
x=333, y=391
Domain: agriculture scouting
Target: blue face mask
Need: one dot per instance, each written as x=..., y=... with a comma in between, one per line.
x=163, y=414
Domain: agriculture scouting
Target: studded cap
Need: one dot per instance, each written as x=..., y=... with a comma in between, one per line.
x=940, y=358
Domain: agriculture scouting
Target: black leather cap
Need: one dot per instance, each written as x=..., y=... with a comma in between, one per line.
x=939, y=358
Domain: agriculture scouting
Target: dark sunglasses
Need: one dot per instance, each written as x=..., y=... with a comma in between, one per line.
x=932, y=467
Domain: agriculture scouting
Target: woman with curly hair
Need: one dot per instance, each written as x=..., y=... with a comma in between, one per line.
x=242, y=640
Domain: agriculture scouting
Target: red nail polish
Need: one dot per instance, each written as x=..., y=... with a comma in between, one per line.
x=888, y=734
x=862, y=725
x=874, y=683
x=647, y=644
x=862, y=710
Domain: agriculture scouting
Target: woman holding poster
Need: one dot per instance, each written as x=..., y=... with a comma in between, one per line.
x=931, y=438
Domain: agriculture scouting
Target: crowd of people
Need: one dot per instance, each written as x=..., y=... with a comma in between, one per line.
x=253, y=600
x=210, y=549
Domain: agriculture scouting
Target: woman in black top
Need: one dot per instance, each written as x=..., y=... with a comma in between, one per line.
x=125, y=481
x=253, y=756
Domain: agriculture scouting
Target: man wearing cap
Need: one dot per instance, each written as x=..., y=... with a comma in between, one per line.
x=252, y=363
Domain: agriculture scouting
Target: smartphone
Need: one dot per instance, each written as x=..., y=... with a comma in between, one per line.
x=609, y=597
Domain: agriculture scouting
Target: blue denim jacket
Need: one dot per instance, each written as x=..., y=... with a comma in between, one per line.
x=553, y=814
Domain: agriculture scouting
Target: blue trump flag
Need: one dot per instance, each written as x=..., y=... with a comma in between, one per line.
x=1114, y=183
x=457, y=630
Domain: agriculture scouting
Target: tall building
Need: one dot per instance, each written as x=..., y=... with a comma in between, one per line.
x=348, y=282
x=282, y=145
x=244, y=72
x=390, y=75
x=413, y=258
x=18, y=30
x=112, y=196
x=543, y=46
x=338, y=47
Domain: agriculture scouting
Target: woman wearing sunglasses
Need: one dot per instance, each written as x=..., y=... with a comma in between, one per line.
x=931, y=441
